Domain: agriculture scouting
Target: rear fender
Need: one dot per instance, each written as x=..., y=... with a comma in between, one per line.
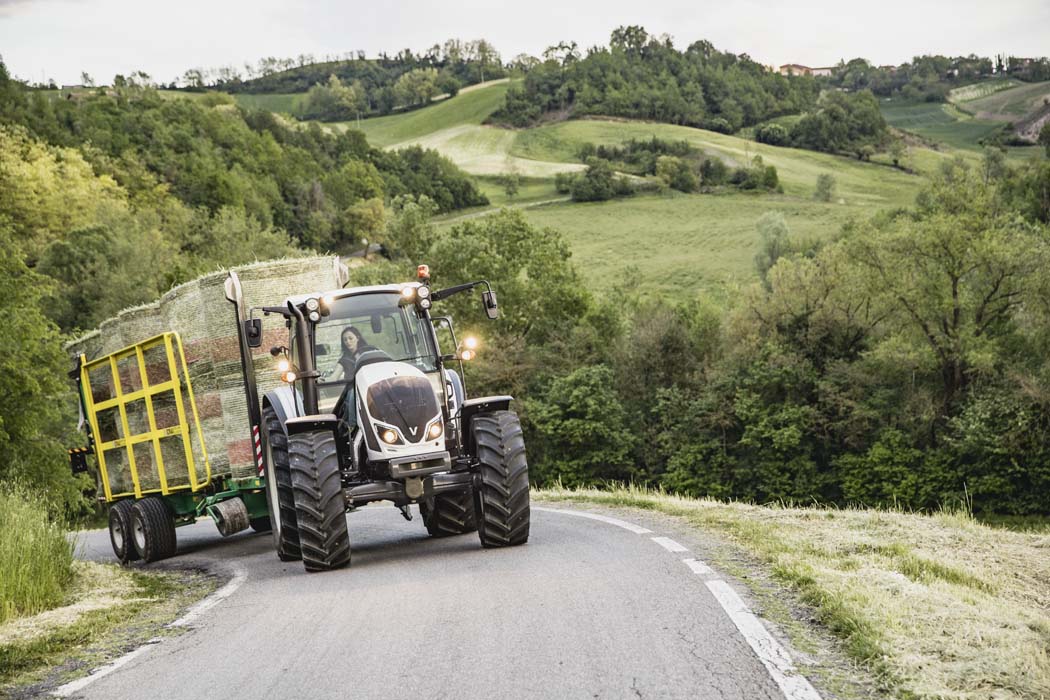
x=284, y=403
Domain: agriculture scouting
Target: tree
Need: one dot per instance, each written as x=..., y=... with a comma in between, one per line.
x=1044, y=137
x=825, y=190
x=676, y=174
x=956, y=273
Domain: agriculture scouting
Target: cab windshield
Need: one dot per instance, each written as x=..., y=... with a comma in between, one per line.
x=383, y=323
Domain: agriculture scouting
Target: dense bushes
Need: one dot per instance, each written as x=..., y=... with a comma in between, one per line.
x=36, y=559
x=843, y=123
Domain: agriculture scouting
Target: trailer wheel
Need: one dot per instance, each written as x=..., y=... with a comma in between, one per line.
x=320, y=505
x=153, y=529
x=501, y=493
x=279, y=495
x=120, y=532
x=449, y=514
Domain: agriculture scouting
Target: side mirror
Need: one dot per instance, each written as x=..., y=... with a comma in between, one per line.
x=488, y=301
x=253, y=332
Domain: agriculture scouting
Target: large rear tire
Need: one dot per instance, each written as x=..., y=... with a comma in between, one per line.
x=120, y=531
x=449, y=514
x=153, y=529
x=320, y=505
x=501, y=496
x=279, y=496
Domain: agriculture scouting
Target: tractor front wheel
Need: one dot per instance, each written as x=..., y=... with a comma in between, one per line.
x=320, y=506
x=501, y=493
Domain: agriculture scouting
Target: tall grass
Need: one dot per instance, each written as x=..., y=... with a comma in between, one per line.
x=36, y=558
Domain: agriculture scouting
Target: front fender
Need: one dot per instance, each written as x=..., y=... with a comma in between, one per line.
x=471, y=408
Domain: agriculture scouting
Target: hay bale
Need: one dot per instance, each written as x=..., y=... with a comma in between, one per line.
x=199, y=312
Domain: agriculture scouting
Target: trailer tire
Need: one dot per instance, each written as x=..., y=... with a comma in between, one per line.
x=320, y=505
x=280, y=499
x=120, y=532
x=153, y=529
x=449, y=514
x=501, y=492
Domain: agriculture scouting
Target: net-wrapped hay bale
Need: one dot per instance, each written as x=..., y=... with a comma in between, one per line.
x=205, y=320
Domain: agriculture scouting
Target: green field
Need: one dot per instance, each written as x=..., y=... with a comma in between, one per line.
x=705, y=239
x=939, y=122
x=1012, y=104
x=981, y=89
x=680, y=240
x=471, y=106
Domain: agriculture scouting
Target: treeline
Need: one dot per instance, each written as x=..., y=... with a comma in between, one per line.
x=844, y=123
x=641, y=76
x=665, y=165
x=903, y=364
x=362, y=87
x=931, y=78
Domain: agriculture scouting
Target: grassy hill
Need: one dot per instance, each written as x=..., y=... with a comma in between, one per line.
x=705, y=239
x=1011, y=104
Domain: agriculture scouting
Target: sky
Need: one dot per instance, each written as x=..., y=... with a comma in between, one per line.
x=59, y=39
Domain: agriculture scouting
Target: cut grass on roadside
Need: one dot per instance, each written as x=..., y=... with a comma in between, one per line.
x=109, y=611
x=936, y=606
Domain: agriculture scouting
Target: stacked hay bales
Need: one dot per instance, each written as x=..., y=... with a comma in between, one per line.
x=199, y=312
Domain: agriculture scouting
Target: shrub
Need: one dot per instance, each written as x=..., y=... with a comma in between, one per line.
x=676, y=174
x=773, y=134
x=36, y=559
x=825, y=187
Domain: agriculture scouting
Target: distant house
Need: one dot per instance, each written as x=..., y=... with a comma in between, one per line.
x=795, y=69
x=825, y=71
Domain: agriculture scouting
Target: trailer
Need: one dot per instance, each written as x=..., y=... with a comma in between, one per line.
x=170, y=434
x=152, y=462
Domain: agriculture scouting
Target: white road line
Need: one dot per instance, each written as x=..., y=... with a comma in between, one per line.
x=669, y=544
x=699, y=567
x=239, y=577
x=636, y=529
x=772, y=655
x=75, y=686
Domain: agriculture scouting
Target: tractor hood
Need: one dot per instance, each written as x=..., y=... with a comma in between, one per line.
x=399, y=397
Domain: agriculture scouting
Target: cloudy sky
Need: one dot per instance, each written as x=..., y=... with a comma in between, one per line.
x=57, y=39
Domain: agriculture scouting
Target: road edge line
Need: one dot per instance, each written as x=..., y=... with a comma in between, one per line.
x=636, y=529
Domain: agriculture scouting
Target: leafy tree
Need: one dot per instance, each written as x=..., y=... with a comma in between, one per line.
x=581, y=428
x=676, y=174
x=773, y=134
x=825, y=190
x=1044, y=137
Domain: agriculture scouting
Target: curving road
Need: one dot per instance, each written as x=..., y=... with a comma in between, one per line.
x=587, y=609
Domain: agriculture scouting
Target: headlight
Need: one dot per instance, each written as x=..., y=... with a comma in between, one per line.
x=389, y=436
x=470, y=343
x=315, y=316
x=283, y=365
x=424, y=304
x=466, y=355
x=288, y=377
x=435, y=431
x=408, y=293
x=312, y=304
x=423, y=292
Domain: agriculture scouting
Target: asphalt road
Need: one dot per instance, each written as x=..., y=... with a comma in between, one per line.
x=586, y=609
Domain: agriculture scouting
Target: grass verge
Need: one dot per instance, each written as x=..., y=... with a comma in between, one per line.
x=108, y=611
x=36, y=559
x=936, y=606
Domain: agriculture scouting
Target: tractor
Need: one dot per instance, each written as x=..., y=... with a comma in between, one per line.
x=371, y=409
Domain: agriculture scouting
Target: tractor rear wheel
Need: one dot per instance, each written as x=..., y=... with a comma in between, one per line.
x=120, y=531
x=320, y=506
x=501, y=493
x=449, y=514
x=279, y=495
x=153, y=529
